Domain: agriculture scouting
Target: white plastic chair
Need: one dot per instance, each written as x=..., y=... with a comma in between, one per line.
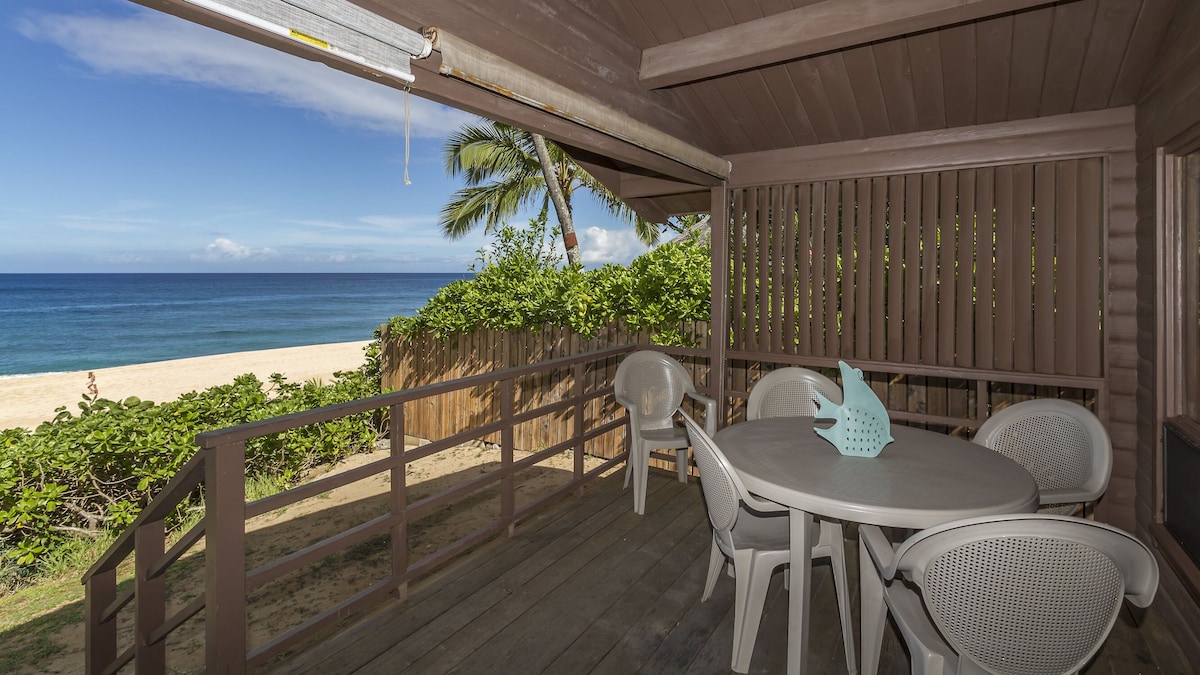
x=651, y=386
x=790, y=392
x=1062, y=444
x=1023, y=593
x=755, y=535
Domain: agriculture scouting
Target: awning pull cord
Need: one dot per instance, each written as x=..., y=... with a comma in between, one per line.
x=407, y=131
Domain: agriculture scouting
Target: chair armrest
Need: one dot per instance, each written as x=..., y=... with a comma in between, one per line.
x=883, y=554
x=710, y=412
x=623, y=401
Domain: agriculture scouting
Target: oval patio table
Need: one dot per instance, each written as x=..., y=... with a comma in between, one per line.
x=921, y=479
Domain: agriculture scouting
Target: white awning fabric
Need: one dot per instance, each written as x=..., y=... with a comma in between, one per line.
x=469, y=63
x=336, y=26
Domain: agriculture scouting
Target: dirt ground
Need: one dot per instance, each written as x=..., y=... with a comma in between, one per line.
x=286, y=602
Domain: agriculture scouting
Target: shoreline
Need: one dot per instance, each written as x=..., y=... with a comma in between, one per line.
x=28, y=400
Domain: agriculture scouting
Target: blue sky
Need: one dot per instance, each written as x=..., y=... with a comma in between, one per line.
x=134, y=141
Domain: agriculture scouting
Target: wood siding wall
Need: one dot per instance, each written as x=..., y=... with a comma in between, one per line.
x=1168, y=119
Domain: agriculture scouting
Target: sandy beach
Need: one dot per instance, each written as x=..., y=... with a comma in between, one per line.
x=29, y=401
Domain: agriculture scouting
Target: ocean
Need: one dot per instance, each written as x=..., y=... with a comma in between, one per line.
x=66, y=322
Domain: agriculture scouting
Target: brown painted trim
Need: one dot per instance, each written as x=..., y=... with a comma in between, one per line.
x=805, y=31
x=899, y=368
x=1167, y=279
x=1057, y=137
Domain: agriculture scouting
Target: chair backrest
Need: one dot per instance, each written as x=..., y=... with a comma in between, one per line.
x=1027, y=593
x=789, y=392
x=722, y=489
x=654, y=384
x=1062, y=444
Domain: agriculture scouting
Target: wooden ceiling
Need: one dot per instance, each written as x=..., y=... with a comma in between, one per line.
x=1046, y=60
x=733, y=77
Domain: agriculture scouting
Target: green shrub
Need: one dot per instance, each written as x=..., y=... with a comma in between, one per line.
x=80, y=475
x=519, y=287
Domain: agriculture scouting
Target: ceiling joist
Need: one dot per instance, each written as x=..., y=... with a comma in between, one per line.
x=815, y=29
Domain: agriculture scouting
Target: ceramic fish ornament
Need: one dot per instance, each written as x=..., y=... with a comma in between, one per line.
x=861, y=425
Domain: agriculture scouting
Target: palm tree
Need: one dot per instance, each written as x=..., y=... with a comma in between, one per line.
x=507, y=169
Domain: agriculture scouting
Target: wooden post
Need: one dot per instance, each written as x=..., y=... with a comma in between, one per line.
x=580, y=411
x=719, y=342
x=150, y=598
x=100, y=637
x=225, y=558
x=399, y=499
x=507, y=496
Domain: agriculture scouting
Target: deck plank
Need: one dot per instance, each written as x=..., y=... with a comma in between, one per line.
x=590, y=587
x=464, y=581
x=641, y=640
x=669, y=583
x=548, y=627
x=432, y=650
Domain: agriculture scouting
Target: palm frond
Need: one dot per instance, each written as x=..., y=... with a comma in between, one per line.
x=502, y=173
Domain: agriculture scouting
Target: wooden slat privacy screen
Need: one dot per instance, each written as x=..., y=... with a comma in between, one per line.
x=995, y=268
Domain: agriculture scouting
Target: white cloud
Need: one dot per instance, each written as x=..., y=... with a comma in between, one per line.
x=227, y=250
x=599, y=246
x=153, y=44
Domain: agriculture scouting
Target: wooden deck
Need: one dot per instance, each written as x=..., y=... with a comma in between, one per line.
x=590, y=587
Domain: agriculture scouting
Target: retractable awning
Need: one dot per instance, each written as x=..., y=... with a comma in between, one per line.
x=341, y=28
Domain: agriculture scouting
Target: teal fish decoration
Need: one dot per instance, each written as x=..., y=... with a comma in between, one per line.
x=861, y=424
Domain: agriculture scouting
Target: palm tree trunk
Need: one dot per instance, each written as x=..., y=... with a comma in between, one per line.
x=570, y=242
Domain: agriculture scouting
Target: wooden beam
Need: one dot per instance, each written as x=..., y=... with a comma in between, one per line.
x=633, y=186
x=821, y=27
x=1041, y=139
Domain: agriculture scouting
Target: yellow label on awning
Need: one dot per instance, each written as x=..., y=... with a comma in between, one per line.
x=316, y=42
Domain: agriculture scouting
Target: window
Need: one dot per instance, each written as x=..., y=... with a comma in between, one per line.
x=1177, y=527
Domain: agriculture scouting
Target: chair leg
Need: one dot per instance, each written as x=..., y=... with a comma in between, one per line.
x=636, y=467
x=752, y=580
x=834, y=534
x=632, y=443
x=641, y=469
x=716, y=563
x=874, y=611
x=681, y=464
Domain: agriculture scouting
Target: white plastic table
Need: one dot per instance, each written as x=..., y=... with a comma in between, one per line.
x=921, y=479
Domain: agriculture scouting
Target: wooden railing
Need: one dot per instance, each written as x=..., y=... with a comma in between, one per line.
x=219, y=466
x=946, y=399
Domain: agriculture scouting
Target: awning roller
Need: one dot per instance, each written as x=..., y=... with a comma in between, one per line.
x=469, y=63
x=336, y=26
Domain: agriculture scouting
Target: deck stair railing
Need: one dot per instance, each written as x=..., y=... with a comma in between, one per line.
x=220, y=467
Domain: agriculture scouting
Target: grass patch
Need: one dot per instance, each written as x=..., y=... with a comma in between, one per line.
x=35, y=610
x=54, y=605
